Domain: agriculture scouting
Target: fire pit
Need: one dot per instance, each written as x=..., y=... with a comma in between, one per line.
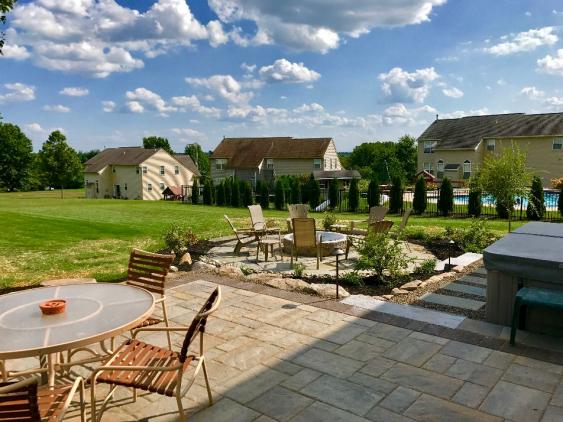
x=329, y=240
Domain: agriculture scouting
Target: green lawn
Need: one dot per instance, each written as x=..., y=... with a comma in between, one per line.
x=44, y=236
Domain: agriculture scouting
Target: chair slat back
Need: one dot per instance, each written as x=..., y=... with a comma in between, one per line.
x=377, y=213
x=405, y=219
x=257, y=217
x=297, y=210
x=148, y=270
x=19, y=403
x=230, y=224
x=380, y=226
x=200, y=320
x=304, y=232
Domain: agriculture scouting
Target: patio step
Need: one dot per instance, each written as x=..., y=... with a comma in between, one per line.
x=470, y=278
x=416, y=313
x=457, y=302
x=464, y=260
x=467, y=289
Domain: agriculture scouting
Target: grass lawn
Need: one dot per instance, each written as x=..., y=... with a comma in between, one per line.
x=44, y=236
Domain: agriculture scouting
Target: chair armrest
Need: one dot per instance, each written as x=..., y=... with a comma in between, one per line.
x=18, y=385
x=163, y=329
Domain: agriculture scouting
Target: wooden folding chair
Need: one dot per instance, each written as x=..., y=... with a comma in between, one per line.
x=156, y=369
x=244, y=236
x=24, y=401
x=305, y=236
x=259, y=222
x=296, y=211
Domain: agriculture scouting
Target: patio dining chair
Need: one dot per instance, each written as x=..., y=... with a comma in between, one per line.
x=244, y=236
x=305, y=237
x=259, y=222
x=25, y=401
x=376, y=214
x=156, y=369
x=296, y=211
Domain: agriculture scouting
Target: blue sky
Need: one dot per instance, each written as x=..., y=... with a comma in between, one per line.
x=108, y=73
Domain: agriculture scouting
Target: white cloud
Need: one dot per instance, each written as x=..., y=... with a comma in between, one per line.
x=108, y=106
x=57, y=108
x=452, y=92
x=248, y=68
x=14, y=52
x=528, y=13
x=98, y=38
x=305, y=108
x=552, y=65
x=554, y=102
x=501, y=82
x=74, y=91
x=524, y=41
x=189, y=135
x=35, y=127
x=300, y=24
x=283, y=70
x=555, y=12
x=532, y=93
x=400, y=86
x=460, y=113
x=17, y=92
x=447, y=59
x=148, y=100
x=399, y=114
x=225, y=86
x=135, y=107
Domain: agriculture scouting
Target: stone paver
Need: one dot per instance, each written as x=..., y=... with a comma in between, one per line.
x=321, y=412
x=429, y=408
x=400, y=399
x=413, y=351
x=531, y=377
x=473, y=279
x=329, y=363
x=470, y=395
x=458, y=302
x=553, y=414
x=515, y=402
x=466, y=288
x=478, y=374
x=280, y=403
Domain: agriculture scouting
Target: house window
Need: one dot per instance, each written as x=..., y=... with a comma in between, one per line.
x=466, y=169
x=440, y=166
x=176, y=169
x=558, y=143
x=125, y=186
x=429, y=147
x=149, y=186
x=162, y=170
x=162, y=186
x=270, y=163
x=317, y=163
x=138, y=170
x=113, y=169
x=220, y=163
x=491, y=144
x=428, y=167
x=145, y=170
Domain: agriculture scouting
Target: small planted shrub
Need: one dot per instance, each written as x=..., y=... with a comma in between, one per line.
x=228, y=189
x=195, y=192
x=396, y=196
x=352, y=278
x=333, y=193
x=384, y=256
x=373, y=193
x=503, y=208
x=354, y=196
x=474, y=201
x=426, y=268
x=419, y=201
x=446, y=198
x=178, y=237
x=246, y=270
x=329, y=219
x=474, y=238
x=536, y=204
x=280, y=195
x=298, y=270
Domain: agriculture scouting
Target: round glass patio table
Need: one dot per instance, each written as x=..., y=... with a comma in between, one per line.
x=94, y=312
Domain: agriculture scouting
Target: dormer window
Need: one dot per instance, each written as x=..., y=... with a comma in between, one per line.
x=491, y=144
x=270, y=163
x=429, y=147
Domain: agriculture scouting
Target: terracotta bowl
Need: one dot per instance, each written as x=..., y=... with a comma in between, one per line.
x=53, y=307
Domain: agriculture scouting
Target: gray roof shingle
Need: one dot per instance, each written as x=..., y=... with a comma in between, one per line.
x=467, y=132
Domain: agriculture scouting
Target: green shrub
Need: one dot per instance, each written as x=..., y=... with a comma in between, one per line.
x=536, y=204
x=419, y=201
x=280, y=195
x=474, y=238
x=333, y=193
x=178, y=237
x=352, y=278
x=446, y=198
x=235, y=193
x=503, y=208
x=382, y=255
x=246, y=270
x=353, y=196
x=314, y=191
x=220, y=194
x=228, y=190
x=329, y=219
x=195, y=192
x=264, y=196
x=426, y=268
x=295, y=194
x=474, y=203
x=373, y=193
x=560, y=202
x=298, y=270
x=247, y=198
x=208, y=192
x=423, y=233
x=396, y=196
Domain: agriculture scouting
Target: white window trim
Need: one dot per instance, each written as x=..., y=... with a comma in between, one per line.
x=145, y=170
x=176, y=169
x=428, y=147
x=269, y=163
x=162, y=186
x=557, y=141
x=491, y=143
x=318, y=163
x=162, y=171
x=467, y=165
x=220, y=163
x=149, y=187
x=428, y=167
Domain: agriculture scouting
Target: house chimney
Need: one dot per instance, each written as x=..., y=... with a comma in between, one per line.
x=437, y=116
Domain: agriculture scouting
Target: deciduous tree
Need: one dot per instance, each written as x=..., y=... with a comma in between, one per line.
x=150, y=142
x=200, y=158
x=16, y=157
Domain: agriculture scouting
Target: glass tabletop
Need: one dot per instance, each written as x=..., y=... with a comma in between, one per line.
x=93, y=312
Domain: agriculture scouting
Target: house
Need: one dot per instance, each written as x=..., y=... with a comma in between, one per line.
x=137, y=173
x=256, y=159
x=456, y=148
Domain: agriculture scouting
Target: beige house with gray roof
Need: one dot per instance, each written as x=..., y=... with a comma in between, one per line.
x=456, y=148
x=137, y=173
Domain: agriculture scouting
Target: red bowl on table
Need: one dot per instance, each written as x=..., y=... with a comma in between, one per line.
x=53, y=307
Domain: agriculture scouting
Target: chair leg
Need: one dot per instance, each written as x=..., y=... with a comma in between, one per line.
x=209, y=395
x=82, y=403
x=134, y=395
x=183, y=416
x=238, y=247
x=165, y=315
x=515, y=320
x=318, y=257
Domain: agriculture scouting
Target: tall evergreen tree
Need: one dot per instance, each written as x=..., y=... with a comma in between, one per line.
x=221, y=194
x=235, y=193
x=228, y=190
x=474, y=201
x=536, y=204
x=373, y=193
x=353, y=196
x=396, y=196
x=208, y=192
x=16, y=157
x=247, y=198
x=314, y=191
x=419, y=201
x=280, y=195
x=195, y=192
x=264, y=195
x=446, y=198
x=333, y=193
x=295, y=195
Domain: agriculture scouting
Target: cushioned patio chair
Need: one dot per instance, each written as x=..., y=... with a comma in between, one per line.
x=25, y=401
x=376, y=214
x=305, y=237
x=259, y=222
x=244, y=236
x=156, y=369
x=296, y=211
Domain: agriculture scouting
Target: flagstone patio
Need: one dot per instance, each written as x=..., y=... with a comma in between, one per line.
x=275, y=359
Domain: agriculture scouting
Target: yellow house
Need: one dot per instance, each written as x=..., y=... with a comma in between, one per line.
x=255, y=159
x=456, y=148
x=136, y=173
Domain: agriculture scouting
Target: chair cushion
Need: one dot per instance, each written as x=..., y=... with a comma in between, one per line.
x=137, y=353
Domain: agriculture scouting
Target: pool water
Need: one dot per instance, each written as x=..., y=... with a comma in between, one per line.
x=550, y=200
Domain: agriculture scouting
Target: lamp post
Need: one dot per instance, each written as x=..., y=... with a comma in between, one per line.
x=337, y=252
x=450, y=244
